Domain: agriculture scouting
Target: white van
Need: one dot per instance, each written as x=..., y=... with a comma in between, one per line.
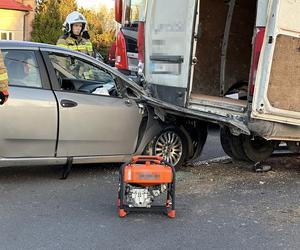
x=196, y=54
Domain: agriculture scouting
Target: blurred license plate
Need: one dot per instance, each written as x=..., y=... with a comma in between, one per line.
x=166, y=68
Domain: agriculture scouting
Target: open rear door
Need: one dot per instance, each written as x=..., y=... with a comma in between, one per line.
x=169, y=39
x=277, y=86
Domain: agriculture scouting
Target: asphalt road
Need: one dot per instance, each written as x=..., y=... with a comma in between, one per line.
x=219, y=206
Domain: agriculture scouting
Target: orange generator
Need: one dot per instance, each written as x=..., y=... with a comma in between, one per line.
x=142, y=181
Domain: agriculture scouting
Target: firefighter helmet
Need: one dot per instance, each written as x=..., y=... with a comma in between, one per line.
x=74, y=17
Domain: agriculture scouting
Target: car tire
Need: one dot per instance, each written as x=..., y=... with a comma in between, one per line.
x=171, y=144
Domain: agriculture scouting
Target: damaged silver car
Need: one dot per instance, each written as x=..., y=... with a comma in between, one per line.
x=66, y=105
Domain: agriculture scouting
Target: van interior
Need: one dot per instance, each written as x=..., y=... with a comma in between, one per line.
x=214, y=60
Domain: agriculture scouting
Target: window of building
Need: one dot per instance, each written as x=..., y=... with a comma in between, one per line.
x=6, y=35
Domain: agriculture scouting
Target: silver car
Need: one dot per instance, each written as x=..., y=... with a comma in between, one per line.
x=64, y=104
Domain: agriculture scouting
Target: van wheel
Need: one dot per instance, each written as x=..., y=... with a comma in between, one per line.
x=257, y=148
x=171, y=144
x=294, y=146
x=232, y=145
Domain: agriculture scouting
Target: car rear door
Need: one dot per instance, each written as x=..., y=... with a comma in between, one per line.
x=169, y=47
x=91, y=124
x=29, y=118
x=277, y=86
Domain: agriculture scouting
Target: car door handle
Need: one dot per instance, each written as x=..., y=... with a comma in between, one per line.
x=68, y=103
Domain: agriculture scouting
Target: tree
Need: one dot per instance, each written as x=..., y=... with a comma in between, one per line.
x=49, y=19
x=51, y=14
x=101, y=27
x=66, y=7
x=47, y=23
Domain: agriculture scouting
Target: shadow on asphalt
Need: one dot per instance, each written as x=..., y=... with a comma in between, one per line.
x=50, y=172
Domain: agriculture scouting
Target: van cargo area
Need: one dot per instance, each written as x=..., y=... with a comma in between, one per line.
x=223, y=51
x=225, y=60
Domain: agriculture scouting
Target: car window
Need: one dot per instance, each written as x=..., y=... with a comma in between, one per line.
x=78, y=75
x=22, y=68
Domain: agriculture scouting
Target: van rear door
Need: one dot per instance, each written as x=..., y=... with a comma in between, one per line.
x=277, y=86
x=169, y=37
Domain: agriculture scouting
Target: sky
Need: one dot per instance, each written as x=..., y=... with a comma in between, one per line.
x=95, y=3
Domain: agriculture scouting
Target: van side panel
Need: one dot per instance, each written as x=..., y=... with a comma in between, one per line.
x=262, y=13
x=169, y=30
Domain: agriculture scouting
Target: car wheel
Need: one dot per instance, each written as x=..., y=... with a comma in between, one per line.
x=171, y=144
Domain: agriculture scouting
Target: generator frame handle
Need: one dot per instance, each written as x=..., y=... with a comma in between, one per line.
x=147, y=158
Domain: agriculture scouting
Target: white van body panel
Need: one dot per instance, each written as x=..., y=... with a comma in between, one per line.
x=169, y=32
x=263, y=7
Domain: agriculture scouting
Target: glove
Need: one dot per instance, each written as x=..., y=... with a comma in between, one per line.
x=3, y=97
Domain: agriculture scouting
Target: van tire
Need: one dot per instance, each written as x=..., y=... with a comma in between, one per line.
x=257, y=149
x=233, y=145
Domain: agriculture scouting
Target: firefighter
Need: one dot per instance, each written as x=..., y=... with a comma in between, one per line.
x=76, y=36
x=3, y=81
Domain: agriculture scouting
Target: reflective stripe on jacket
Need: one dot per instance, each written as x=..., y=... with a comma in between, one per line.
x=81, y=44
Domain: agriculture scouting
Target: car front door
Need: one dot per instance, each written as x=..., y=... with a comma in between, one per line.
x=94, y=120
x=29, y=118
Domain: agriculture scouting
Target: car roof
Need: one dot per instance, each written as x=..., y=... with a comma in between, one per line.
x=24, y=44
x=13, y=44
x=6, y=44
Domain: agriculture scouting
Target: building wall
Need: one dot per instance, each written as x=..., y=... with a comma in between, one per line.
x=29, y=18
x=12, y=20
x=18, y=21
